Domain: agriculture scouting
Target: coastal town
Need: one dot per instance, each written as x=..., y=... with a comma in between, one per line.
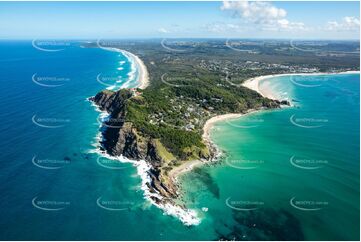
x=180, y=120
x=181, y=94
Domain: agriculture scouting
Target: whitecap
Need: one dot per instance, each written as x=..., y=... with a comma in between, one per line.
x=111, y=87
x=186, y=216
x=132, y=75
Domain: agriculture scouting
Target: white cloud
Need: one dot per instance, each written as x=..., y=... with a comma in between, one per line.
x=220, y=27
x=346, y=24
x=287, y=25
x=256, y=12
x=262, y=14
x=163, y=30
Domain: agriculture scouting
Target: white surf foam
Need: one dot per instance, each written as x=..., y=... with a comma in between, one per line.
x=132, y=75
x=186, y=216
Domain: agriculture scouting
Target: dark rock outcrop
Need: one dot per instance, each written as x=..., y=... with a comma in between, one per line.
x=284, y=102
x=276, y=104
x=122, y=138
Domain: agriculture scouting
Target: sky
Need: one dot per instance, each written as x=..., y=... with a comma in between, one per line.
x=217, y=19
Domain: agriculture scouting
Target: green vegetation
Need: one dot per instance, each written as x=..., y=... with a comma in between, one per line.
x=202, y=80
x=163, y=152
x=176, y=114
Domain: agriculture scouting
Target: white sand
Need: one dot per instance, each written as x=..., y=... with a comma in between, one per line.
x=189, y=165
x=183, y=168
x=143, y=76
x=187, y=216
x=210, y=122
x=253, y=83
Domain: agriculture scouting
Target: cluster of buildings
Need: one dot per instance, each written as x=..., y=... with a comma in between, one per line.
x=190, y=115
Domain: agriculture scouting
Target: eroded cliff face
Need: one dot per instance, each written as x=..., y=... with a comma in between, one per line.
x=122, y=138
x=119, y=138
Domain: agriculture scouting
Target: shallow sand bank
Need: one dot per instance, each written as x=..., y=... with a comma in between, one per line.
x=253, y=83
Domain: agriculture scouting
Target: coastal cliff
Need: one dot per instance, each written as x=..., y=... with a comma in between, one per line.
x=121, y=138
x=162, y=127
x=125, y=134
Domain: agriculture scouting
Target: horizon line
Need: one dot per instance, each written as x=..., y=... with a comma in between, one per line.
x=175, y=38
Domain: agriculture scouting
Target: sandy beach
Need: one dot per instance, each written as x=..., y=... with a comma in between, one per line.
x=188, y=166
x=253, y=83
x=210, y=122
x=183, y=168
x=143, y=77
x=188, y=217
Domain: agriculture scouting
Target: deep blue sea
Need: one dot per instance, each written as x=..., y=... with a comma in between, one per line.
x=54, y=188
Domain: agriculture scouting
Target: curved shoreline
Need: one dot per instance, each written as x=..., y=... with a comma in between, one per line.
x=143, y=76
x=254, y=82
x=208, y=125
x=219, y=118
x=188, y=217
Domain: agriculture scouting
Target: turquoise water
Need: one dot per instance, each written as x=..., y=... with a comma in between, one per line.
x=54, y=188
x=292, y=173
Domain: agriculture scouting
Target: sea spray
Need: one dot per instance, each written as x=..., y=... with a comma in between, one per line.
x=132, y=75
x=188, y=217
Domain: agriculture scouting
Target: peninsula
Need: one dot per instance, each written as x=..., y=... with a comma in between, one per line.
x=167, y=123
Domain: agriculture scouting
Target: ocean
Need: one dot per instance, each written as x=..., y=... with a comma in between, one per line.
x=291, y=173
